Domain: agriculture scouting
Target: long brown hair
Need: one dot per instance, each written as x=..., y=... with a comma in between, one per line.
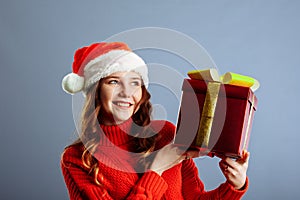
x=90, y=136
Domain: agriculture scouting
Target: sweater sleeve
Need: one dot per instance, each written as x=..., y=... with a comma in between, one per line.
x=193, y=187
x=81, y=185
x=150, y=186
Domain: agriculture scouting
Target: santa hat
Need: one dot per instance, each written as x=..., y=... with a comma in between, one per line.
x=98, y=61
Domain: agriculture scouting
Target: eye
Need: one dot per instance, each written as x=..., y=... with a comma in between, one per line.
x=135, y=83
x=113, y=82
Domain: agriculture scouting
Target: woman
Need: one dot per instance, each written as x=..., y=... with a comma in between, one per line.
x=121, y=153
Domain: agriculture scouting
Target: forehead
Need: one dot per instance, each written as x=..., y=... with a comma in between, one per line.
x=130, y=75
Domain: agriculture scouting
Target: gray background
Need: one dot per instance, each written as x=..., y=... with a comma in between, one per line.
x=38, y=39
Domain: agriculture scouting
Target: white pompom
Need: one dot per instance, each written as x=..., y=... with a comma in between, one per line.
x=72, y=83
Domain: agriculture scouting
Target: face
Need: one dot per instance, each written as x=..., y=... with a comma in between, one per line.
x=120, y=94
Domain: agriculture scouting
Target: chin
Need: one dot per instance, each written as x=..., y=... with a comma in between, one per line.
x=121, y=119
x=122, y=115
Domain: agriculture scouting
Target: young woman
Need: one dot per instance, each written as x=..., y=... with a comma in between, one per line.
x=120, y=152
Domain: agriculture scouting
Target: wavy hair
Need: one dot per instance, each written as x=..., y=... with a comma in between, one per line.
x=90, y=136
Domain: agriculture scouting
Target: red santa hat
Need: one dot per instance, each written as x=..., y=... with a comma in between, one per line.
x=98, y=61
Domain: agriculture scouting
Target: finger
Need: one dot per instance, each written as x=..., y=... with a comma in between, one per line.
x=226, y=170
x=246, y=155
x=193, y=153
x=230, y=162
x=185, y=156
x=223, y=165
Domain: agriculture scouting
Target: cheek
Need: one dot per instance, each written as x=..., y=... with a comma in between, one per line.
x=137, y=99
x=137, y=96
x=106, y=99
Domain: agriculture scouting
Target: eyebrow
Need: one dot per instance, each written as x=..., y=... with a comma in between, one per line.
x=112, y=77
x=135, y=78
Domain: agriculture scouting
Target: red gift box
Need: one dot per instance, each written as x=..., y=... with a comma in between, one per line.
x=215, y=118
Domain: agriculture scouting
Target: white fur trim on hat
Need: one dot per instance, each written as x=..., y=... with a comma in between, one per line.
x=72, y=83
x=111, y=62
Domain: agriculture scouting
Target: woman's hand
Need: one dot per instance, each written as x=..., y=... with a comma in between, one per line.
x=169, y=156
x=235, y=170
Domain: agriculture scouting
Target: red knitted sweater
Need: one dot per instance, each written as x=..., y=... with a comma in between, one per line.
x=119, y=181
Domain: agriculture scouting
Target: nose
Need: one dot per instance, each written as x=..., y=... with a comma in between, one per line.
x=126, y=91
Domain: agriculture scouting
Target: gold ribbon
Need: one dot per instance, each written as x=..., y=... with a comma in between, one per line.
x=208, y=113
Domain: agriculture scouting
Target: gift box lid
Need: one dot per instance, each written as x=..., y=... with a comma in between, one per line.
x=230, y=91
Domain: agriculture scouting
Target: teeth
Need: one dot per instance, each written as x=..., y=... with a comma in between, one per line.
x=123, y=104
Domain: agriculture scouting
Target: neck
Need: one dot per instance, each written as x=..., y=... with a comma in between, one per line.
x=110, y=120
x=116, y=134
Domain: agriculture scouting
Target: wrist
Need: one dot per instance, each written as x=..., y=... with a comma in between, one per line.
x=240, y=187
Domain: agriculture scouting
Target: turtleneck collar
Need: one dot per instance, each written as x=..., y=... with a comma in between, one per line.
x=116, y=135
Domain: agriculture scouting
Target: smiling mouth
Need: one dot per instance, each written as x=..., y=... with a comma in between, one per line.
x=122, y=104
